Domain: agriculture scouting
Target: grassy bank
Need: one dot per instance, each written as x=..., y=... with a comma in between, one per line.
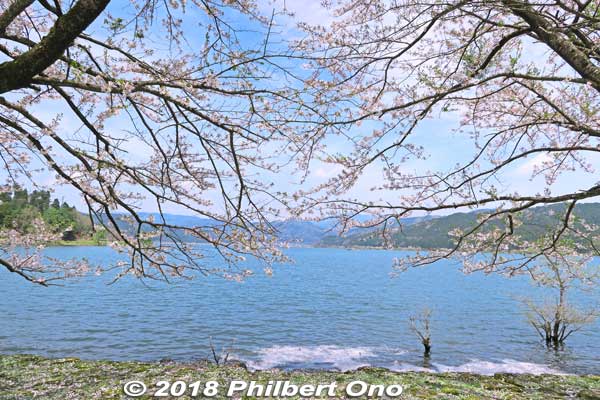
x=27, y=377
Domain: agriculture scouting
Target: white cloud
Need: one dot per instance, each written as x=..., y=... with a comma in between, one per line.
x=309, y=11
x=527, y=168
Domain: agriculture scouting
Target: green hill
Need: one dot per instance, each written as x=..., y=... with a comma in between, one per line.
x=433, y=233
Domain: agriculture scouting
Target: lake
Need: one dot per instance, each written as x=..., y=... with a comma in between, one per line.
x=332, y=308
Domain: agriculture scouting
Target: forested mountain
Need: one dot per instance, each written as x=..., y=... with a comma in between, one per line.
x=433, y=233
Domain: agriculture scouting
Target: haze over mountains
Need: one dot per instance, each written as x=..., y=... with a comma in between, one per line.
x=294, y=232
x=421, y=232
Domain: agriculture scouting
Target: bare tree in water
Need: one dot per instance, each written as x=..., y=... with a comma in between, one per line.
x=420, y=325
x=556, y=319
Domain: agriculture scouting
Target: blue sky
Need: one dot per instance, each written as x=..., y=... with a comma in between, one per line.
x=435, y=134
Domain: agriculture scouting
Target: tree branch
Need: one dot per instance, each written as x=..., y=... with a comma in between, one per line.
x=11, y=13
x=577, y=59
x=18, y=73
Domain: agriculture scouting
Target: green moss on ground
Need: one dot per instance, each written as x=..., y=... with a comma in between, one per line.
x=27, y=377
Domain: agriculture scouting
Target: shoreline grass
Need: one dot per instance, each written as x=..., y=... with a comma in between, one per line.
x=33, y=377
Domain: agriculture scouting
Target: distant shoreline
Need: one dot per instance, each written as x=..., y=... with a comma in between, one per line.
x=89, y=242
x=75, y=243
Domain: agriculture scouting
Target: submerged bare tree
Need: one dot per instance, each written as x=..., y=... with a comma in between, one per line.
x=420, y=325
x=167, y=105
x=556, y=319
x=219, y=358
x=518, y=81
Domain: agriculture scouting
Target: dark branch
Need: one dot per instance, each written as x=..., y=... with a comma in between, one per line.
x=18, y=73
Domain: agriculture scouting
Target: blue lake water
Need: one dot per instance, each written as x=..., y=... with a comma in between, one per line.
x=332, y=308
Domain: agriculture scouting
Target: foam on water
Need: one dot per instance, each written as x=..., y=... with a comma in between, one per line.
x=350, y=358
x=503, y=366
x=482, y=368
x=404, y=367
x=342, y=358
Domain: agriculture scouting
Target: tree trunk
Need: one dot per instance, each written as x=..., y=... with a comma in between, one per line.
x=426, y=348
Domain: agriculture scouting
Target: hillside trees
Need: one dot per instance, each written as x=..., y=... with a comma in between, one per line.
x=20, y=210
